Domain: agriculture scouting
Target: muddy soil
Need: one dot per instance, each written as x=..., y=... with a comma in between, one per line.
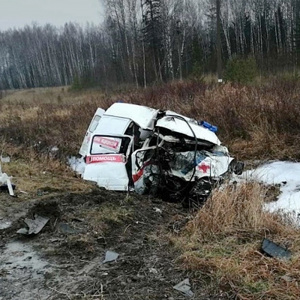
x=65, y=260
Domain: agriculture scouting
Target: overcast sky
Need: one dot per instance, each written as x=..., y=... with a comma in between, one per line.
x=18, y=13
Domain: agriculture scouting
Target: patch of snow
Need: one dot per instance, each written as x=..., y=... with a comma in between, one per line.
x=287, y=175
x=5, y=224
x=77, y=164
x=20, y=257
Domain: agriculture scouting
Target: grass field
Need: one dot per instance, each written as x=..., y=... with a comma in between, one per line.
x=256, y=122
x=220, y=243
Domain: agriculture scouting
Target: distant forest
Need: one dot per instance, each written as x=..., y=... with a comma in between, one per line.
x=146, y=41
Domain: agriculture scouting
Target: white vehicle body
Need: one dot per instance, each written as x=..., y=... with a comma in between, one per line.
x=106, y=146
x=136, y=146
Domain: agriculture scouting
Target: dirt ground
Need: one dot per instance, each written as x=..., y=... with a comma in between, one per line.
x=65, y=260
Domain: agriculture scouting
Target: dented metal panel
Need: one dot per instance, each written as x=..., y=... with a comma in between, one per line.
x=109, y=171
x=188, y=128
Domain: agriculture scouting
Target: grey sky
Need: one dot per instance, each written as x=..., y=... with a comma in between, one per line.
x=18, y=13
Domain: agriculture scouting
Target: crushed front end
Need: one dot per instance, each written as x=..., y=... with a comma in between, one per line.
x=181, y=161
x=155, y=152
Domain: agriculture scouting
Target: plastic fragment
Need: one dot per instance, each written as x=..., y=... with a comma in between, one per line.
x=274, y=250
x=110, y=256
x=184, y=287
x=34, y=226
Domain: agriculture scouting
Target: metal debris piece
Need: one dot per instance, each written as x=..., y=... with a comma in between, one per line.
x=110, y=256
x=23, y=231
x=184, y=287
x=274, y=250
x=34, y=226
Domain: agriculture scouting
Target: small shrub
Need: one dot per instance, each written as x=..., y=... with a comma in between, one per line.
x=197, y=72
x=82, y=82
x=77, y=84
x=241, y=70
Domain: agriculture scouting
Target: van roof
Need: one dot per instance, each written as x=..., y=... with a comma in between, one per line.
x=142, y=115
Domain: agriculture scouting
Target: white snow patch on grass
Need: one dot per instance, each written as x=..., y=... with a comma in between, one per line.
x=77, y=164
x=287, y=175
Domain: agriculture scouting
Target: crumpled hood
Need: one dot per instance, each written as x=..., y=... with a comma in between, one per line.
x=187, y=127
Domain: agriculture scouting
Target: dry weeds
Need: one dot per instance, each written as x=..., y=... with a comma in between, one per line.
x=254, y=121
x=222, y=244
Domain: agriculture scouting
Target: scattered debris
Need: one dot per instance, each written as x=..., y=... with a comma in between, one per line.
x=23, y=192
x=34, y=226
x=54, y=149
x=184, y=287
x=157, y=210
x=110, y=256
x=154, y=151
x=5, y=159
x=23, y=231
x=5, y=188
x=274, y=250
x=5, y=183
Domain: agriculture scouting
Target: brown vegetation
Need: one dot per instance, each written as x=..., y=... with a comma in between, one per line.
x=254, y=121
x=221, y=243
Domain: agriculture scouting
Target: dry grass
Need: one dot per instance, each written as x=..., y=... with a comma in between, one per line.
x=222, y=244
x=236, y=208
x=254, y=121
x=107, y=214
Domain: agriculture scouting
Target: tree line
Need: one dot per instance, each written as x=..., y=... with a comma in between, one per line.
x=146, y=41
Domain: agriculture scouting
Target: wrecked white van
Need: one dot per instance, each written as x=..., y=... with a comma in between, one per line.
x=155, y=152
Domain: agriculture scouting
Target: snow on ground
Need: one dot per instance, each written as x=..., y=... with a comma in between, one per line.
x=287, y=175
x=77, y=164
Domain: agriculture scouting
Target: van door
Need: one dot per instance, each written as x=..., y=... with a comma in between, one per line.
x=84, y=150
x=108, y=163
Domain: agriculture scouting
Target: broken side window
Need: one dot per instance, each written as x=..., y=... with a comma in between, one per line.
x=109, y=144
